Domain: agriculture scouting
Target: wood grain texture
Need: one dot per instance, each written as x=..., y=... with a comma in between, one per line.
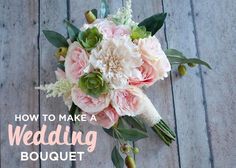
x=52, y=14
x=190, y=114
x=204, y=101
x=19, y=68
x=102, y=154
x=215, y=23
x=154, y=153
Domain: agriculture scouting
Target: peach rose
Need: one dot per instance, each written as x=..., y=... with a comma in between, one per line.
x=149, y=76
x=87, y=103
x=106, y=118
x=75, y=63
x=153, y=54
x=127, y=101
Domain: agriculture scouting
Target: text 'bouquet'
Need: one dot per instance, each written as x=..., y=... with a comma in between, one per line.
x=102, y=68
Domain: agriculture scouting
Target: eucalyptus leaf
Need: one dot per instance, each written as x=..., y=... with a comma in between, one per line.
x=153, y=23
x=116, y=158
x=55, y=38
x=72, y=30
x=104, y=9
x=177, y=57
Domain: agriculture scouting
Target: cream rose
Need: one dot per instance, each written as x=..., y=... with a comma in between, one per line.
x=118, y=60
x=106, y=118
x=87, y=103
x=75, y=63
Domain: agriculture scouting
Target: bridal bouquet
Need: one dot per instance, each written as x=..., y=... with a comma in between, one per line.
x=102, y=68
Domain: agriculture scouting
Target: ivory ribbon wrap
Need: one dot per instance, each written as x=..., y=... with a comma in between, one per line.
x=149, y=113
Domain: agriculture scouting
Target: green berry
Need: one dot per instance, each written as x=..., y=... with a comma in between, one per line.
x=129, y=162
x=182, y=70
x=191, y=65
x=136, y=150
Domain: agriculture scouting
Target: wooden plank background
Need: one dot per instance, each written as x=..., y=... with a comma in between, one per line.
x=200, y=107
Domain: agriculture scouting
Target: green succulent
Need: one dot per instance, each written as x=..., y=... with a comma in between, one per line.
x=93, y=84
x=139, y=33
x=90, y=38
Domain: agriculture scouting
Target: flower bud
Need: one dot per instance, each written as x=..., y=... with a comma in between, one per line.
x=62, y=51
x=90, y=17
x=129, y=162
x=191, y=65
x=182, y=70
x=136, y=150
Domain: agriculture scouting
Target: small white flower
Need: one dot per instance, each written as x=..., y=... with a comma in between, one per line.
x=57, y=89
x=118, y=59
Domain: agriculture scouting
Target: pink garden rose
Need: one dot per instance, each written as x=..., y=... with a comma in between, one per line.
x=149, y=75
x=75, y=63
x=127, y=101
x=87, y=103
x=153, y=54
x=106, y=118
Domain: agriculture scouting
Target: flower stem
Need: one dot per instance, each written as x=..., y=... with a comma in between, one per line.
x=164, y=132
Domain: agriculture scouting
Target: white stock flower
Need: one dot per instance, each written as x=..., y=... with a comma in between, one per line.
x=118, y=59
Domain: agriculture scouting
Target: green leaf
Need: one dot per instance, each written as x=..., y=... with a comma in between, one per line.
x=72, y=109
x=72, y=30
x=116, y=158
x=77, y=112
x=177, y=57
x=135, y=122
x=95, y=12
x=55, y=38
x=127, y=134
x=131, y=134
x=104, y=9
x=153, y=23
x=110, y=132
x=174, y=53
x=60, y=64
